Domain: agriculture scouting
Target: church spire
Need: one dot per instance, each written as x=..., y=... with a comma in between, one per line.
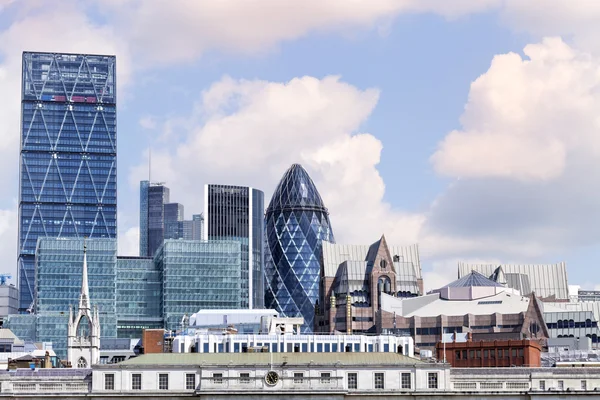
x=84, y=296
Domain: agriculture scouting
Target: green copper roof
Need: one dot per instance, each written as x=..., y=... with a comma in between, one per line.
x=186, y=359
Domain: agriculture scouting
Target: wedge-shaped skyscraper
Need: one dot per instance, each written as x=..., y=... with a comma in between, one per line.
x=297, y=223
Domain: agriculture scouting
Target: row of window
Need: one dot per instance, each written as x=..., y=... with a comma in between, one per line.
x=488, y=353
x=562, y=324
x=561, y=385
x=244, y=378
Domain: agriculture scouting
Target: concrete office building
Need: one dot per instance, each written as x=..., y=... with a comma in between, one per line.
x=472, y=304
x=68, y=155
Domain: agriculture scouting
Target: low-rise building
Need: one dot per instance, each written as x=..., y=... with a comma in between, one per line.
x=496, y=353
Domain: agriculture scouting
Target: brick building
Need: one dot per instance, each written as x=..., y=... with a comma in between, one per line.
x=493, y=353
x=353, y=279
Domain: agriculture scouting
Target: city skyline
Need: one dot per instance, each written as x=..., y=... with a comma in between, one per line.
x=389, y=109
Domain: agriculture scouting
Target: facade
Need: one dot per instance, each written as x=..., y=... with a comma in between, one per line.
x=305, y=375
x=83, y=345
x=198, y=275
x=496, y=353
x=473, y=304
x=58, y=258
x=297, y=223
x=144, y=191
x=236, y=213
x=139, y=296
x=174, y=221
x=353, y=278
x=9, y=300
x=194, y=229
x=68, y=168
x=158, y=196
x=573, y=320
x=292, y=343
x=242, y=321
x=547, y=281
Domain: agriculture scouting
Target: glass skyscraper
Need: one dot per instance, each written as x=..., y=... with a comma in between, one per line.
x=198, y=276
x=173, y=221
x=68, y=168
x=297, y=223
x=139, y=296
x=236, y=212
x=153, y=197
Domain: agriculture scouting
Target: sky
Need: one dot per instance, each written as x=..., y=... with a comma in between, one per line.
x=468, y=127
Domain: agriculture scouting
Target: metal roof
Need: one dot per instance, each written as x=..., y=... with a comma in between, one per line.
x=239, y=359
x=545, y=280
x=473, y=279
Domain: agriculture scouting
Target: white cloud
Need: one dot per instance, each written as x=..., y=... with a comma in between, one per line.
x=525, y=116
x=527, y=153
x=182, y=31
x=129, y=241
x=250, y=132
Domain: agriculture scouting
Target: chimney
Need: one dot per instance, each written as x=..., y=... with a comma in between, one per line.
x=47, y=360
x=469, y=336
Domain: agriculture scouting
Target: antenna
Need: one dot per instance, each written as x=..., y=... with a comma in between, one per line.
x=149, y=164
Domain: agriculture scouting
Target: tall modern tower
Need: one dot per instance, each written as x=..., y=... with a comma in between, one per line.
x=68, y=159
x=297, y=223
x=153, y=197
x=236, y=212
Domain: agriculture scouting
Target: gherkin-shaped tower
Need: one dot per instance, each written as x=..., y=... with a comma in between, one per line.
x=297, y=223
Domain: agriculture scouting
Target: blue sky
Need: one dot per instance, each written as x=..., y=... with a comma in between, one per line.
x=468, y=127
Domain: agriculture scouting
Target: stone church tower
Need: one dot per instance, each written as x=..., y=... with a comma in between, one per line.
x=83, y=346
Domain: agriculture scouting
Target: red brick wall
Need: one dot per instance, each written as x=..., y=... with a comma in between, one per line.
x=497, y=353
x=152, y=340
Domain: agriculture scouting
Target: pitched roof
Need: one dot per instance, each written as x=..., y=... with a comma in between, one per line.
x=473, y=279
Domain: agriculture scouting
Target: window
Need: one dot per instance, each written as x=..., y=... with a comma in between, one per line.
x=405, y=380
x=471, y=354
x=217, y=378
x=478, y=353
x=163, y=381
x=190, y=381
x=457, y=354
x=583, y=385
x=561, y=385
x=513, y=352
x=432, y=380
x=521, y=352
x=136, y=381
x=379, y=380
x=542, y=385
x=109, y=382
x=485, y=353
x=81, y=363
x=245, y=377
x=325, y=377
x=298, y=377
x=352, y=380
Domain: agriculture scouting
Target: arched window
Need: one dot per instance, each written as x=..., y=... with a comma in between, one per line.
x=588, y=323
x=383, y=264
x=84, y=327
x=560, y=324
x=571, y=323
x=81, y=363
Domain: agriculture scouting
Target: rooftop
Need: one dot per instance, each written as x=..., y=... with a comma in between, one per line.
x=173, y=359
x=473, y=279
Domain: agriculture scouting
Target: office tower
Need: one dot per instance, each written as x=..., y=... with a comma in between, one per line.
x=158, y=196
x=138, y=296
x=144, y=186
x=194, y=229
x=197, y=276
x=173, y=221
x=236, y=212
x=58, y=276
x=297, y=223
x=68, y=169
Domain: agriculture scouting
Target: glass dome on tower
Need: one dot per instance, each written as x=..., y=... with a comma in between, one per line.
x=296, y=224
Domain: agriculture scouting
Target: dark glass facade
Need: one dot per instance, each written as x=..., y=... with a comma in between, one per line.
x=297, y=223
x=236, y=212
x=68, y=165
x=144, y=186
x=158, y=195
x=173, y=221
